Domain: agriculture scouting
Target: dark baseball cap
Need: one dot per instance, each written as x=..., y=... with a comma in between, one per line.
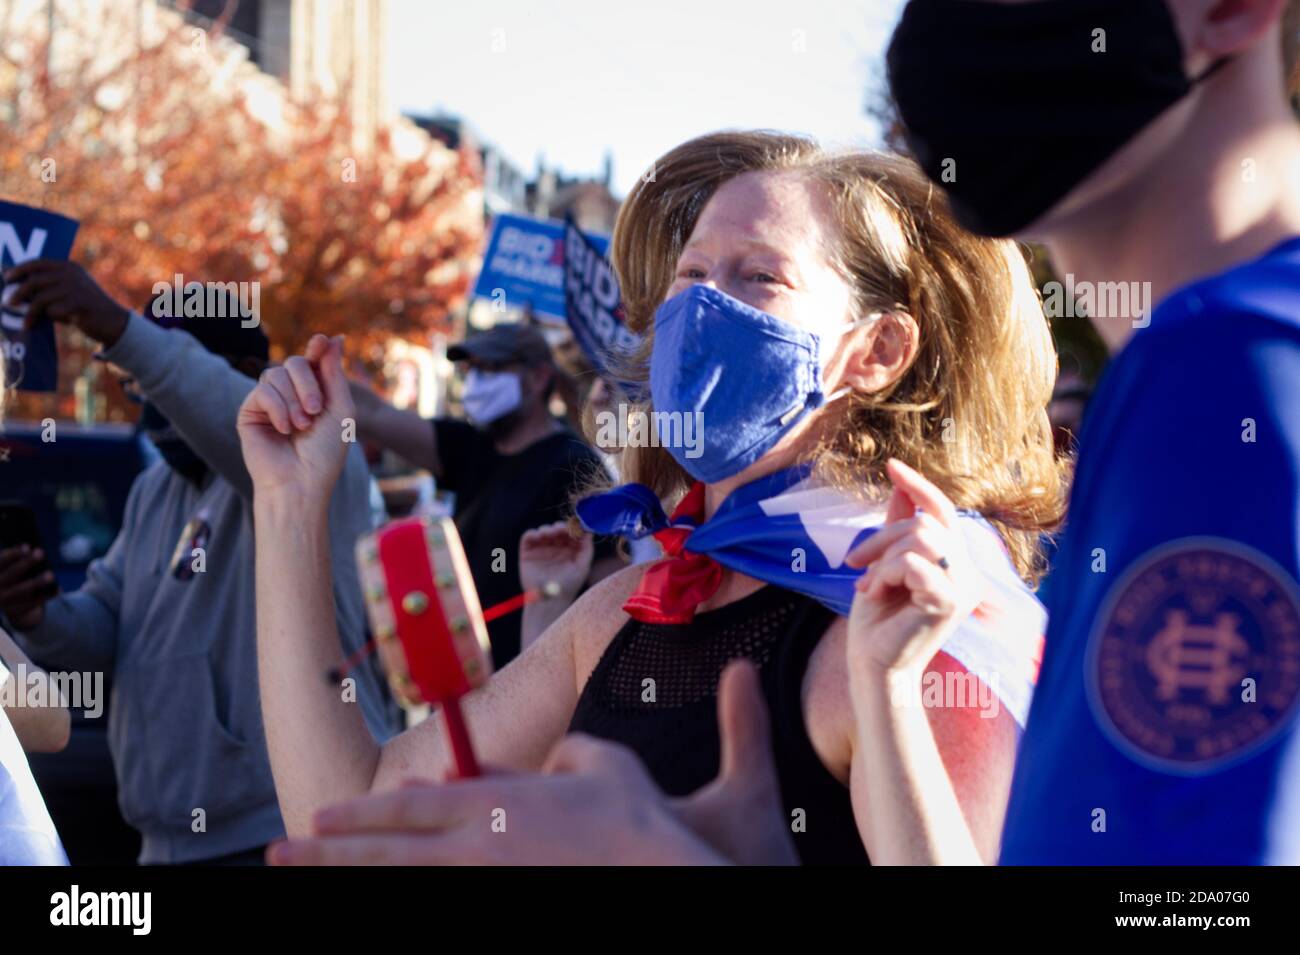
x=504, y=343
x=221, y=334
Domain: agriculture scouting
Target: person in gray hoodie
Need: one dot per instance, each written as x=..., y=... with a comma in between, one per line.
x=169, y=610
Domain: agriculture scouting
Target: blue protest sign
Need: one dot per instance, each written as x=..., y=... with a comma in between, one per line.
x=524, y=265
x=594, y=306
x=31, y=360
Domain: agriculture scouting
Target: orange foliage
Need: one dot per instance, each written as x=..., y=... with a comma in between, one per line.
x=160, y=153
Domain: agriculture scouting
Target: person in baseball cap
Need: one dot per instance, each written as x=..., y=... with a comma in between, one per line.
x=509, y=379
x=513, y=466
x=504, y=343
x=245, y=348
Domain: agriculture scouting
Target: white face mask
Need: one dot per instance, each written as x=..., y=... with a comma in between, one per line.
x=490, y=395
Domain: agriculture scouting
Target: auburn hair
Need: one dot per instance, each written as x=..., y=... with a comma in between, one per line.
x=970, y=412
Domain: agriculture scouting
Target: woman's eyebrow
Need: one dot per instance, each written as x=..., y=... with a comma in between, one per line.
x=780, y=261
x=782, y=256
x=694, y=244
x=749, y=244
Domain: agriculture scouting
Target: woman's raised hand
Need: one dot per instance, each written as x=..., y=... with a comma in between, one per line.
x=295, y=426
x=920, y=581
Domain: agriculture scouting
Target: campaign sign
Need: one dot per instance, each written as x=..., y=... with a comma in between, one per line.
x=594, y=305
x=31, y=361
x=524, y=265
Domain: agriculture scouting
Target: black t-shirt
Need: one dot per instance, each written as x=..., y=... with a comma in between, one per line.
x=498, y=498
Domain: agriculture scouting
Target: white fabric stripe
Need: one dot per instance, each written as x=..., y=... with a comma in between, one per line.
x=831, y=520
x=1005, y=659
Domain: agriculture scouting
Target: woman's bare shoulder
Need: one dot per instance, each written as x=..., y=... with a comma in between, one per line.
x=596, y=616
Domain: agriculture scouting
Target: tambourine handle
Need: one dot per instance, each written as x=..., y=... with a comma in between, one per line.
x=458, y=734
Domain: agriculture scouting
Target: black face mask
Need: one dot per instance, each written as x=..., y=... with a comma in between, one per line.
x=1007, y=107
x=179, y=456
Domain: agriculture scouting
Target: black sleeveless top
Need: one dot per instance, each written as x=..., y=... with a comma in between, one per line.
x=672, y=724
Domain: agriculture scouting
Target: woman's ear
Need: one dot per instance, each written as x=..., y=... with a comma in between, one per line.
x=1230, y=26
x=877, y=355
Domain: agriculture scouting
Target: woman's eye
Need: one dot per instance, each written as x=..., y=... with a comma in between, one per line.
x=690, y=273
x=763, y=277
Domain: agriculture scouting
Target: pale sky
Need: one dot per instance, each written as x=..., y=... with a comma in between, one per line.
x=569, y=79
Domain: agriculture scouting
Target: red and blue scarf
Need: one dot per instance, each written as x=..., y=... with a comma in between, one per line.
x=787, y=530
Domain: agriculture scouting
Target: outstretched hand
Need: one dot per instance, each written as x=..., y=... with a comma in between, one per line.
x=594, y=804
x=741, y=814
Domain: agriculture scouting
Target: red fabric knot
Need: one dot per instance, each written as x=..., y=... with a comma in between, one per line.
x=673, y=587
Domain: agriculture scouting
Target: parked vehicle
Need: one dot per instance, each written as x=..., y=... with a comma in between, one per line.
x=77, y=484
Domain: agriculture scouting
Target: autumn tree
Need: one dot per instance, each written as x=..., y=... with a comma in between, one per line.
x=178, y=156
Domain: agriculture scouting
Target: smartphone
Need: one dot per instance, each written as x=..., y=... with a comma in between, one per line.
x=18, y=526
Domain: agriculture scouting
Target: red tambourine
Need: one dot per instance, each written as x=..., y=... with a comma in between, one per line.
x=427, y=623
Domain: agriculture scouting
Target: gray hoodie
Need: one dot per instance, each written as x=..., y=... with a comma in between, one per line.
x=185, y=722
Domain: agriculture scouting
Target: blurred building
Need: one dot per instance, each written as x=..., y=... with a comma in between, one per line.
x=549, y=194
x=504, y=186
x=334, y=46
x=552, y=195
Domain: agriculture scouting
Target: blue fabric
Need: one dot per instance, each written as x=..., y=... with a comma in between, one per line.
x=745, y=538
x=1191, y=447
x=750, y=376
x=786, y=530
x=630, y=510
x=742, y=536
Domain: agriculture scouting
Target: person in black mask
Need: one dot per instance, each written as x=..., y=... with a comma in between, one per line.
x=513, y=466
x=245, y=348
x=1151, y=146
x=1010, y=105
x=170, y=609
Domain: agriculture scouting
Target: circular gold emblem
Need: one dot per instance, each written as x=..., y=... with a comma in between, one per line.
x=1195, y=659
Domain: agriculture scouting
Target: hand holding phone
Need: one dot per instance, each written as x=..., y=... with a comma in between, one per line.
x=26, y=578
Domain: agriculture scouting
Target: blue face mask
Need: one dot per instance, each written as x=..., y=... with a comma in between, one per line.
x=745, y=376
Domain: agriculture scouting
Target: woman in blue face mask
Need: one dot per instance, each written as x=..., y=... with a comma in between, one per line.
x=807, y=320
x=818, y=335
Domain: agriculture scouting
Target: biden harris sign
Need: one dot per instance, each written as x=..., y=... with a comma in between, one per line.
x=524, y=265
x=31, y=361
